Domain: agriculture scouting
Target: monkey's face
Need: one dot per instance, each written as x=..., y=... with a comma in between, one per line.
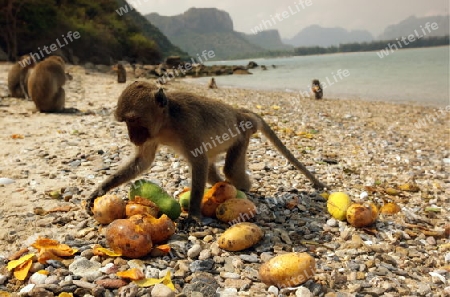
x=138, y=134
x=142, y=107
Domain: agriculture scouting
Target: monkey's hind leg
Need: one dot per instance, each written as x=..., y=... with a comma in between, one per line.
x=60, y=100
x=235, y=166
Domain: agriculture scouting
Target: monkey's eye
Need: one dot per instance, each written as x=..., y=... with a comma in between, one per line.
x=132, y=121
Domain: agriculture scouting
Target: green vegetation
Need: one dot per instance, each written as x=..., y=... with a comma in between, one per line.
x=200, y=29
x=105, y=36
x=371, y=46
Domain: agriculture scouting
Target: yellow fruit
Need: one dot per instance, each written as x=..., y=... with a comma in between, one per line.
x=362, y=215
x=240, y=237
x=108, y=208
x=337, y=205
x=288, y=270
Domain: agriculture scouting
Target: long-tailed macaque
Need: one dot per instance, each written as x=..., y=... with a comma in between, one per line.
x=212, y=84
x=45, y=85
x=121, y=74
x=316, y=89
x=196, y=127
x=18, y=77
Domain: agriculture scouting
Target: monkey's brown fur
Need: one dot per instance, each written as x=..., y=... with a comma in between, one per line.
x=18, y=76
x=45, y=85
x=212, y=83
x=185, y=122
x=121, y=74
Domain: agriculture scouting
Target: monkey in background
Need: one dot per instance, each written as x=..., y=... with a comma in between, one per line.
x=121, y=74
x=316, y=89
x=45, y=85
x=212, y=84
x=185, y=122
x=18, y=77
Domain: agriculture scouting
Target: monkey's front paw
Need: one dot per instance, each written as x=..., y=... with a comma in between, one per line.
x=190, y=223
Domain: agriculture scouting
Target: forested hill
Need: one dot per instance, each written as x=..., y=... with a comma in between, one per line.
x=107, y=33
x=200, y=29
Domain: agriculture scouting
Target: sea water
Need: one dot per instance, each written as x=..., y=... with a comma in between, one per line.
x=404, y=76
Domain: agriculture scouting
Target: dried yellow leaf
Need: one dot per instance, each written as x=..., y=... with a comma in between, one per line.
x=21, y=271
x=101, y=251
x=153, y=281
x=390, y=208
x=132, y=274
x=15, y=263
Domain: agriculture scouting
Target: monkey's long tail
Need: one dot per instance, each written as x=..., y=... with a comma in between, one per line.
x=269, y=133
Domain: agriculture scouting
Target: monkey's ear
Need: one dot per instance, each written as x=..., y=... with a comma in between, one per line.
x=161, y=98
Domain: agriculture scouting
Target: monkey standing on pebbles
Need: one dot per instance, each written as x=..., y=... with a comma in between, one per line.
x=18, y=76
x=45, y=85
x=212, y=84
x=196, y=127
x=316, y=89
x=121, y=74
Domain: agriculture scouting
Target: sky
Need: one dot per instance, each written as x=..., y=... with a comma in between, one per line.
x=370, y=15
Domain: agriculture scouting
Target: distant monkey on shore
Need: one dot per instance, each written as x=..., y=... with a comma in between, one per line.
x=212, y=84
x=316, y=89
x=121, y=74
x=197, y=128
x=45, y=85
x=18, y=77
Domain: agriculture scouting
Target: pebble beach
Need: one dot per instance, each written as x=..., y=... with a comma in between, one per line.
x=369, y=150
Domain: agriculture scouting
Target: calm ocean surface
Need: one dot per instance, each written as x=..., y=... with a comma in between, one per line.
x=411, y=75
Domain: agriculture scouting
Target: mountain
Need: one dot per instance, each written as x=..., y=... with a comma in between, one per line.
x=269, y=40
x=412, y=24
x=316, y=35
x=205, y=29
x=108, y=31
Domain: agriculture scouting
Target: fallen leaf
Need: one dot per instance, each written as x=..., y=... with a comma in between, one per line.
x=409, y=188
x=101, y=251
x=433, y=209
x=275, y=107
x=4, y=294
x=17, y=136
x=15, y=263
x=132, y=274
x=50, y=249
x=392, y=191
x=65, y=208
x=65, y=294
x=160, y=250
x=147, y=282
x=390, y=208
x=18, y=254
x=164, y=248
x=21, y=271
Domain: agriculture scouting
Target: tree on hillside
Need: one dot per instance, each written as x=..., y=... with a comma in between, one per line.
x=8, y=20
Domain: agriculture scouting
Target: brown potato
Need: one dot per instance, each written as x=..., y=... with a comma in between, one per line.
x=125, y=237
x=240, y=237
x=236, y=211
x=288, y=270
x=108, y=208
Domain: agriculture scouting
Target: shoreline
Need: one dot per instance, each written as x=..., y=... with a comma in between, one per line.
x=203, y=81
